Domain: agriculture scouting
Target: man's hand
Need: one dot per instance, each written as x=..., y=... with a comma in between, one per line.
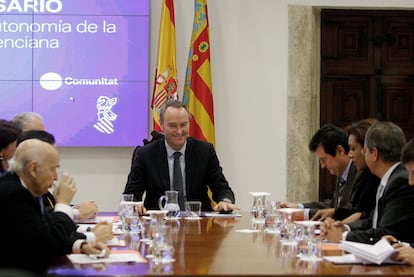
x=141, y=209
x=288, y=205
x=66, y=190
x=332, y=230
x=103, y=231
x=87, y=209
x=96, y=249
x=323, y=214
x=225, y=206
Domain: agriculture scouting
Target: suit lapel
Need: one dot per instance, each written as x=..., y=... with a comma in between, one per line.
x=189, y=164
x=162, y=161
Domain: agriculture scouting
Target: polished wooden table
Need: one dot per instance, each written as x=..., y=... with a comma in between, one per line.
x=212, y=246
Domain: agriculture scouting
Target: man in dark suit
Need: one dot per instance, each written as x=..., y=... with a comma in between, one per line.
x=152, y=167
x=393, y=212
x=28, y=230
x=330, y=145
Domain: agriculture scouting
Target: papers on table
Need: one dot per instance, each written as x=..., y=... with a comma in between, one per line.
x=119, y=256
x=217, y=214
x=378, y=253
x=367, y=253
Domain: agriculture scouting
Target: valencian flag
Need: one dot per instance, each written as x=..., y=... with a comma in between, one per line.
x=165, y=83
x=198, y=95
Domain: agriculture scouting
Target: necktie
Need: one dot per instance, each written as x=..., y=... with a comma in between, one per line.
x=379, y=194
x=178, y=180
x=41, y=204
x=340, y=191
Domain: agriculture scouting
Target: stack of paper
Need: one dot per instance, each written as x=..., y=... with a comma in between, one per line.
x=378, y=253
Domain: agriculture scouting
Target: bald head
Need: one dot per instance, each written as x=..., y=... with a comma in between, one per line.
x=35, y=162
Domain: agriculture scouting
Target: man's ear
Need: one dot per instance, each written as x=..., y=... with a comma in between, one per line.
x=32, y=169
x=341, y=150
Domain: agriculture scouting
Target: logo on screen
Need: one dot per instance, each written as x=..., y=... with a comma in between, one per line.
x=51, y=81
x=105, y=114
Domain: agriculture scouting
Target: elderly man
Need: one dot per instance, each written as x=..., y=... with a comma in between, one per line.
x=31, y=121
x=395, y=197
x=31, y=230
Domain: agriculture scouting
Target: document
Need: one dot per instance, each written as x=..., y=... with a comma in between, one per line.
x=378, y=253
x=116, y=256
x=217, y=214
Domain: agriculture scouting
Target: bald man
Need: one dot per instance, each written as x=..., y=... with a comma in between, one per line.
x=33, y=171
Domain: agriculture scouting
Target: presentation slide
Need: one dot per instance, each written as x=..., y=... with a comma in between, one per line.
x=81, y=64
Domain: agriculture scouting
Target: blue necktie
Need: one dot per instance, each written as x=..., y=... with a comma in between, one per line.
x=41, y=204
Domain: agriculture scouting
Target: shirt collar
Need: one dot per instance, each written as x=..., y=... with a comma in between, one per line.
x=344, y=175
x=384, y=179
x=170, y=151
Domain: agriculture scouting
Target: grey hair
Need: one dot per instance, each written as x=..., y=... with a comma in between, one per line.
x=388, y=138
x=175, y=104
x=22, y=120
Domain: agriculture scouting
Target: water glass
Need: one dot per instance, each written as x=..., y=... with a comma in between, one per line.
x=273, y=219
x=162, y=249
x=308, y=244
x=193, y=209
x=129, y=215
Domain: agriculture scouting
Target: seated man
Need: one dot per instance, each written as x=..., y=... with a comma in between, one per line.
x=33, y=170
x=102, y=232
x=405, y=252
x=395, y=197
x=330, y=144
x=30, y=121
x=153, y=165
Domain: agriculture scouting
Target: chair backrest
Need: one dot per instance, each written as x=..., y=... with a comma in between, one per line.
x=155, y=135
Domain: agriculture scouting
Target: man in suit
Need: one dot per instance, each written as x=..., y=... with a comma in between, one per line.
x=330, y=145
x=28, y=229
x=31, y=121
x=152, y=167
x=395, y=197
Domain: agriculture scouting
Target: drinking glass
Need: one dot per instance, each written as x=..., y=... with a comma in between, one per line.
x=123, y=198
x=308, y=248
x=258, y=209
x=193, y=209
x=129, y=214
x=288, y=231
x=273, y=219
x=163, y=250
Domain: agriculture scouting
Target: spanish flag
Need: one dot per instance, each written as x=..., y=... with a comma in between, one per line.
x=165, y=83
x=198, y=95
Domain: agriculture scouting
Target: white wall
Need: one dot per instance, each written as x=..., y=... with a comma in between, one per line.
x=249, y=73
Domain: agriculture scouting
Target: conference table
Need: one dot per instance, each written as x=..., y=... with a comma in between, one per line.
x=224, y=246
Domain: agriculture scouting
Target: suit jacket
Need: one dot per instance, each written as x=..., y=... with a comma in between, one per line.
x=149, y=173
x=362, y=197
x=395, y=212
x=342, y=196
x=28, y=232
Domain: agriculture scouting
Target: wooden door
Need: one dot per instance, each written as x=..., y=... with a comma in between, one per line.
x=367, y=70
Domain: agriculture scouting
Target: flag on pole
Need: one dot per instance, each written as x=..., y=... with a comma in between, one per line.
x=165, y=83
x=198, y=95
